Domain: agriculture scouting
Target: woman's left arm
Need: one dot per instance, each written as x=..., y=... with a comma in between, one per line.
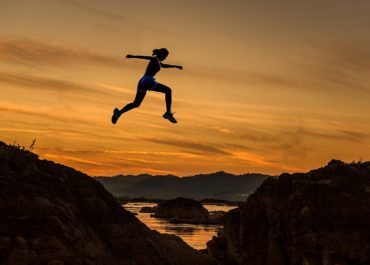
x=171, y=66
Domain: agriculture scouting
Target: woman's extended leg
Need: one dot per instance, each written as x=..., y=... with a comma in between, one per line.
x=165, y=89
x=136, y=103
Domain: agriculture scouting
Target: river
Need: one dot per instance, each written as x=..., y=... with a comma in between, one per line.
x=195, y=235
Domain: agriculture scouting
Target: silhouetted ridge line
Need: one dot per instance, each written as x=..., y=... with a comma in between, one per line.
x=219, y=185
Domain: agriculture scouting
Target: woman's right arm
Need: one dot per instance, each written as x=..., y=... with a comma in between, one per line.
x=139, y=57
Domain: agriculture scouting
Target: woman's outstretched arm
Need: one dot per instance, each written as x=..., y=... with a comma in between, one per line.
x=139, y=57
x=171, y=66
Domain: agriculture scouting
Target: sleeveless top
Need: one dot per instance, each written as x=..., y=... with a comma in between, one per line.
x=153, y=67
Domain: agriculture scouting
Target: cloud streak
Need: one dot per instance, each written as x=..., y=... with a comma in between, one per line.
x=340, y=66
x=341, y=135
x=114, y=17
x=233, y=76
x=196, y=147
x=92, y=10
x=109, y=162
x=42, y=114
x=36, y=51
x=35, y=82
x=90, y=93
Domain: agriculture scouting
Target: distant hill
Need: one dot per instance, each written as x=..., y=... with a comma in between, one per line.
x=219, y=185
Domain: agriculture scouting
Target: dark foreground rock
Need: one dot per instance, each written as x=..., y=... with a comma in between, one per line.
x=321, y=217
x=52, y=214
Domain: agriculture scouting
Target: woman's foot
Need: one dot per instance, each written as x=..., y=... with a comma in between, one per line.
x=169, y=116
x=116, y=114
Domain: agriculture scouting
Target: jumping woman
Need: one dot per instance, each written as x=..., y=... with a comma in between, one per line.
x=147, y=82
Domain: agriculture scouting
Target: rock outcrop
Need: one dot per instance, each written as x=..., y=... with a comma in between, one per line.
x=321, y=217
x=181, y=208
x=52, y=214
x=148, y=209
x=184, y=210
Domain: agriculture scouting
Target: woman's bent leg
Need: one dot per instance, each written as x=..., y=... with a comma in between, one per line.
x=165, y=89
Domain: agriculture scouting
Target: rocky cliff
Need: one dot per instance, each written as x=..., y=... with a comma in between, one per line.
x=52, y=214
x=321, y=217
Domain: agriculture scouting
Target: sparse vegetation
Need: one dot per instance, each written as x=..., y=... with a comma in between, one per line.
x=13, y=152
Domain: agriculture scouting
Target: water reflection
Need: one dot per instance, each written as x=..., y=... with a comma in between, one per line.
x=183, y=229
x=196, y=235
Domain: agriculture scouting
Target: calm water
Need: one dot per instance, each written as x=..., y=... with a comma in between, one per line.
x=195, y=235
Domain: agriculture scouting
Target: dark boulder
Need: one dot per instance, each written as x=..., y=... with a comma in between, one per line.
x=52, y=214
x=148, y=209
x=181, y=208
x=321, y=217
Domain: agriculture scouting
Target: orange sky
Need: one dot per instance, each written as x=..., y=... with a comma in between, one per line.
x=266, y=87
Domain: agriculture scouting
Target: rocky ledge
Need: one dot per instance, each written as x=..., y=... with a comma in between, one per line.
x=55, y=215
x=321, y=217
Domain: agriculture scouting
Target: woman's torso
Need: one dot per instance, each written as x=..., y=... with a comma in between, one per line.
x=153, y=67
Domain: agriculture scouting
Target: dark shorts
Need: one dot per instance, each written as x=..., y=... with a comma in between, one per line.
x=147, y=82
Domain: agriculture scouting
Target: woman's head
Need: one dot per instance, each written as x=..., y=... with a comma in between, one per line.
x=161, y=53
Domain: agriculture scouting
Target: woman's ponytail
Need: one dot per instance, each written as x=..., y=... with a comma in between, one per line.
x=155, y=51
x=161, y=52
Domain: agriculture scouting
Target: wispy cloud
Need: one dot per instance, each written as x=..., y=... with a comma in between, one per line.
x=354, y=56
x=45, y=87
x=240, y=147
x=258, y=136
x=114, y=17
x=41, y=113
x=36, y=82
x=223, y=130
x=339, y=67
x=233, y=76
x=340, y=134
x=37, y=51
x=190, y=145
x=94, y=11
x=331, y=67
x=109, y=162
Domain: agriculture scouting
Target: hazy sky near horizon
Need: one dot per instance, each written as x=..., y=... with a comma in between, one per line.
x=267, y=86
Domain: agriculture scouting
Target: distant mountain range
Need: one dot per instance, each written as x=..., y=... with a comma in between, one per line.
x=219, y=185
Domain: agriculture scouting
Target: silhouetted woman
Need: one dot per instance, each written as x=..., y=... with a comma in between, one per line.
x=147, y=82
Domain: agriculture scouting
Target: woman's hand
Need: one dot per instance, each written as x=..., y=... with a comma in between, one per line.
x=128, y=56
